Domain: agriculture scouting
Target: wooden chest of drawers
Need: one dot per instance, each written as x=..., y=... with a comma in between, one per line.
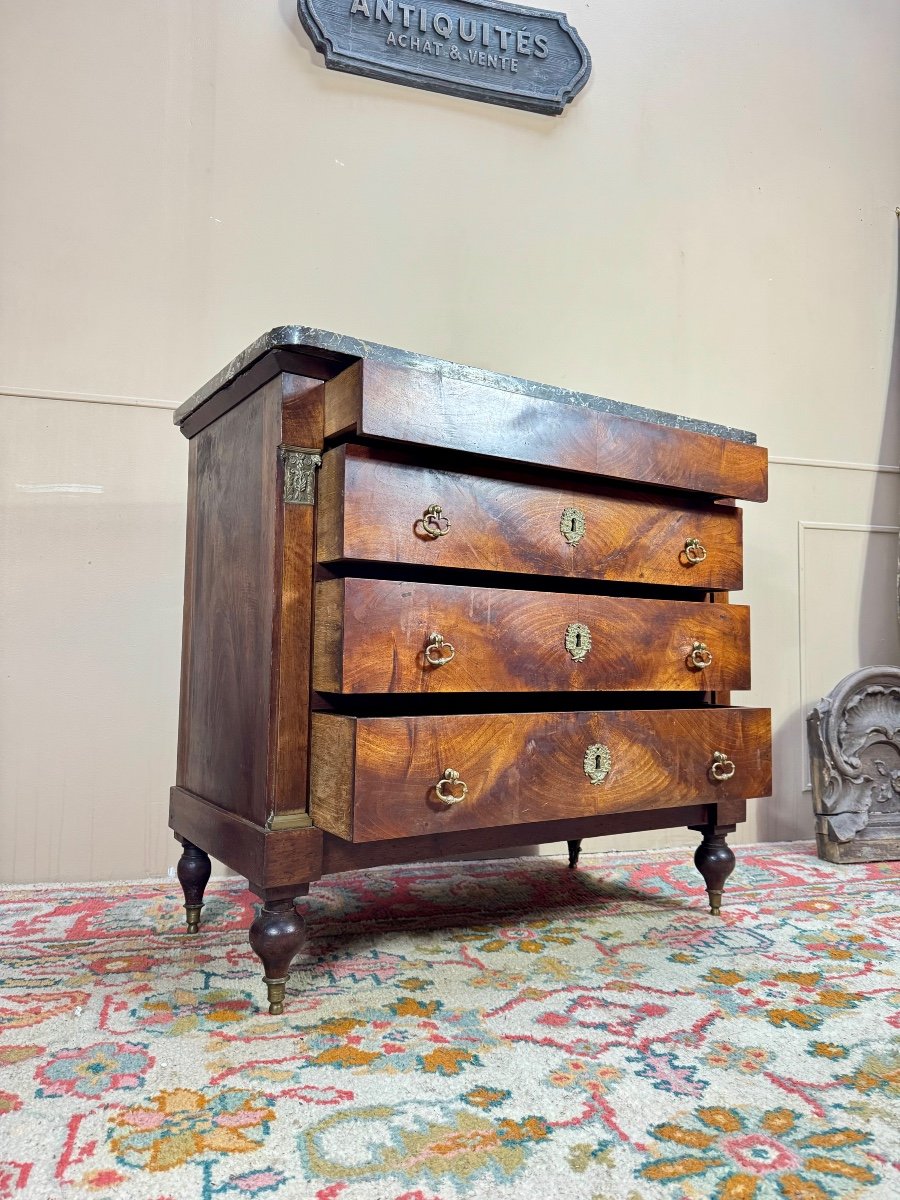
x=431, y=610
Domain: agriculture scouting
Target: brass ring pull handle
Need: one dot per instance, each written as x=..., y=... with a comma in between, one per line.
x=694, y=551
x=700, y=656
x=722, y=767
x=438, y=652
x=450, y=788
x=434, y=524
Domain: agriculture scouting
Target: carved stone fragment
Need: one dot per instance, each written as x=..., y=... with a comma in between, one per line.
x=854, y=748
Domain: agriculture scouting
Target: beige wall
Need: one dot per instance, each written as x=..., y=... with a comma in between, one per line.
x=710, y=229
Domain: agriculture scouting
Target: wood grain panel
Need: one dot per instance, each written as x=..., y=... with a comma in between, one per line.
x=231, y=603
x=302, y=418
x=426, y=408
x=371, y=636
x=369, y=508
x=374, y=778
x=243, y=729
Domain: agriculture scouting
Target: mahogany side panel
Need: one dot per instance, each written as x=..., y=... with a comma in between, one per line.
x=426, y=408
x=372, y=636
x=232, y=606
x=370, y=509
x=248, y=603
x=379, y=775
x=190, y=556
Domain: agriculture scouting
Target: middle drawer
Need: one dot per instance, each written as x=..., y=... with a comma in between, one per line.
x=381, y=636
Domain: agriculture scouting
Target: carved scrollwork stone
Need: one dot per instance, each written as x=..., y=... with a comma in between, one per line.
x=854, y=748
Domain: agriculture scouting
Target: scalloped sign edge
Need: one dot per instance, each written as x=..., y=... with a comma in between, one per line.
x=492, y=70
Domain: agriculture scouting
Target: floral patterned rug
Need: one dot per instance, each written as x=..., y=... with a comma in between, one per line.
x=493, y=1029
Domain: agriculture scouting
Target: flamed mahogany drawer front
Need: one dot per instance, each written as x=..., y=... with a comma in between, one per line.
x=373, y=510
x=428, y=408
x=375, y=635
x=375, y=778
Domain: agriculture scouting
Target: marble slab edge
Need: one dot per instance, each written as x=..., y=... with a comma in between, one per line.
x=338, y=347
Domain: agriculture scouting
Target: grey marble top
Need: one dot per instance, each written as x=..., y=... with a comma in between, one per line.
x=340, y=348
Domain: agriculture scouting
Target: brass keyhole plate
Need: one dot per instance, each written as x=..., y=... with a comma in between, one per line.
x=572, y=526
x=597, y=762
x=578, y=641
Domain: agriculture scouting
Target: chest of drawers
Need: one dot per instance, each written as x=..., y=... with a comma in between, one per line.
x=430, y=610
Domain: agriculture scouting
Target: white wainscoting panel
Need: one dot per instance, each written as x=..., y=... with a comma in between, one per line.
x=847, y=574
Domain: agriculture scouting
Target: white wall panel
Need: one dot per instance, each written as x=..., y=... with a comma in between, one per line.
x=90, y=629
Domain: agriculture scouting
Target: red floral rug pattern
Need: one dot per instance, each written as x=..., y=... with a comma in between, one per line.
x=493, y=1029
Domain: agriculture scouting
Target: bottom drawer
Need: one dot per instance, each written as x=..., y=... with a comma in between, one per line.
x=377, y=778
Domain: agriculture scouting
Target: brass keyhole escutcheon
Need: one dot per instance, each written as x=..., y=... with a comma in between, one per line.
x=597, y=762
x=432, y=522
x=700, y=656
x=694, y=552
x=578, y=641
x=722, y=767
x=450, y=788
x=572, y=526
x=438, y=652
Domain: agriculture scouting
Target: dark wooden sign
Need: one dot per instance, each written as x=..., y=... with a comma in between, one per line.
x=480, y=49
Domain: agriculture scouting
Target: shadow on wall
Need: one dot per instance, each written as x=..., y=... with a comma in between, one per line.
x=871, y=647
x=778, y=822
x=858, y=575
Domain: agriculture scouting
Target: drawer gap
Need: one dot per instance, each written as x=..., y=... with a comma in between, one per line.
x=458, y=703
x=465, y=577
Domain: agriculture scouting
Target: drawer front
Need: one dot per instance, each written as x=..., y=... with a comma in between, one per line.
x=377, y=778
x=373, y=510
x=375, y=635
x=430, y=408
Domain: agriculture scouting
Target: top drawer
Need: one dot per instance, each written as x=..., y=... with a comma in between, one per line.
x=371, y=510
x=427, y=408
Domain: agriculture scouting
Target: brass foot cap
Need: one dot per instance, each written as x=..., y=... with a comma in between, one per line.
x=275, y=989
x=192, y=915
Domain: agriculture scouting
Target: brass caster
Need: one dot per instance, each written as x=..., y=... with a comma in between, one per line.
x=192, y=913
x=275, y=989
x=715, y=903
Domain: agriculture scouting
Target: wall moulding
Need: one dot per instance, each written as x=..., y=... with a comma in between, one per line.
x=833, y=464
x=87, y=397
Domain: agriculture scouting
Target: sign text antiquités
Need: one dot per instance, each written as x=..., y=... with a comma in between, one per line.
x=453, y=35
x=492, y=50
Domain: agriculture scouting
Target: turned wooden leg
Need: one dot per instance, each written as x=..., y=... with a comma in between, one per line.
x=574, y=851
x=714, y=859
x=277, y=935
x=193, y=875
